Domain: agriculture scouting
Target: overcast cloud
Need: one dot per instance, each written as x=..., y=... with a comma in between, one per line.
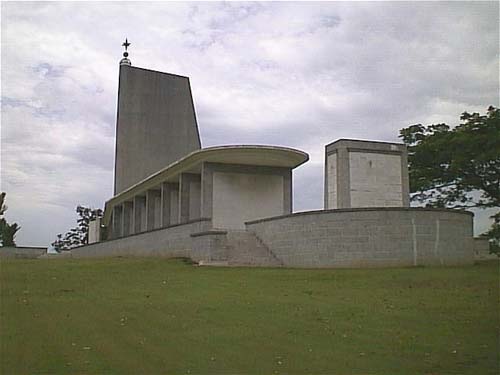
x=293, y=74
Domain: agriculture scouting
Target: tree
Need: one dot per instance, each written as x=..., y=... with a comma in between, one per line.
x=446, y=165
x=80, y=234
x=457, y=167
x=7, y=231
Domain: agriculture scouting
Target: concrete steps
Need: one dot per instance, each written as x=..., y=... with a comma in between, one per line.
x=246, y=249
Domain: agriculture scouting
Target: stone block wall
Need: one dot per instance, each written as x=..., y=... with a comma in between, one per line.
x=209, y=246
x=362, y=237
x=22, y=252
x=173, y=241
x=365, y=237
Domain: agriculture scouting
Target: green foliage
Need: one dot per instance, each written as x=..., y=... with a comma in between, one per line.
x=7, y=231
x=447, y=164
x=79, y=235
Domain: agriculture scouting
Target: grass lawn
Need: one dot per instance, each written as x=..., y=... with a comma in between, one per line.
x=157, y=316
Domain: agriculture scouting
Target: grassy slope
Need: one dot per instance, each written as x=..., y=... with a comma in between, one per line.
x=151, y=316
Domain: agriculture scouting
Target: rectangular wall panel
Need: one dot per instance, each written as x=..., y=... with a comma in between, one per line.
x=375, y=180
x=240, y=197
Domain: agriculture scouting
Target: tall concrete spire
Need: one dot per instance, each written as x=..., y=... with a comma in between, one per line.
x=156, y=122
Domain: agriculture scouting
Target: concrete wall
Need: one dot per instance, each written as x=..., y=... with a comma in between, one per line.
x=375, y=180
x=238, y=198
x=156, y=124
x=174, y=241
x=22, y=252
x=380, y=237
x=232, y=193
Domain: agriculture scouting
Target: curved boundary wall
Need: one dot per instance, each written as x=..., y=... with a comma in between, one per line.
x=353, y=238
x=369, y=237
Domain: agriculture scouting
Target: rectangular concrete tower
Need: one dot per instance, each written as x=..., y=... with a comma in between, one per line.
x=366, y=174
x=156, y=124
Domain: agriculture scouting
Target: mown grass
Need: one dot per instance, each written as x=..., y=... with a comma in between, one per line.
x=156, y=316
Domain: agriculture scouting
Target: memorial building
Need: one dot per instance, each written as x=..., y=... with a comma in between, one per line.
x=232, y=205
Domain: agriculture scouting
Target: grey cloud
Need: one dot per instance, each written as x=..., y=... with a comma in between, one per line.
x=46, y=70
x=11, y=102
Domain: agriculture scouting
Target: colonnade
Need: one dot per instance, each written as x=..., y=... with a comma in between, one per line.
x=168, y=204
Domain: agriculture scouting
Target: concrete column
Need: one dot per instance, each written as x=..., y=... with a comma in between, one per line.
x=169, y=203
x=195, y=198
x=405, y=179
x=174, y=204
x=110, y=228
x=287, y=192
x=326, y=190
x=343, y=178
x=139, y=213
x=128, y=211
x=94, y=234
x=117, y=221
x=189, y=197
x=207, y=186
x=151, y=198
x=166, y=204
x=183, y=198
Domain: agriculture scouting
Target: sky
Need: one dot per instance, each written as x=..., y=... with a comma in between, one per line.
x=293, y=74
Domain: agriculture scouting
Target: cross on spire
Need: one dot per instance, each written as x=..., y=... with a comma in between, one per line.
x=126, y=44
x=125, y=60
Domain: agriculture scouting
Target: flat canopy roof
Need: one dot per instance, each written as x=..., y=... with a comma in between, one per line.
x=272, y=156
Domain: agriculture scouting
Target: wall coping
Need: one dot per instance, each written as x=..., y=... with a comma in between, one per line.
x=208, y=233
x=23, y=248
x=366, y=141
x=364, y=209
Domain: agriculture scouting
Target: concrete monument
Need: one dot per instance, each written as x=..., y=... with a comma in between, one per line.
x=233, y=204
